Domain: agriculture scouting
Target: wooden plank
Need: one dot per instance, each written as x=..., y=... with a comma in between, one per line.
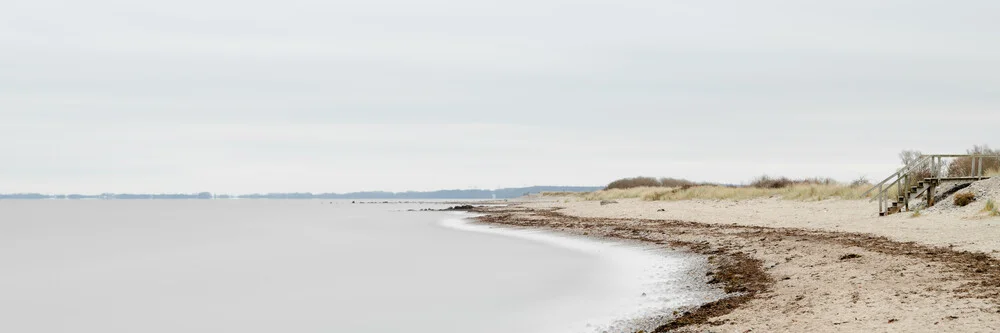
x=947, y=179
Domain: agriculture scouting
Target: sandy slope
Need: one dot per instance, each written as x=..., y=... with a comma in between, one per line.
x=965, y=229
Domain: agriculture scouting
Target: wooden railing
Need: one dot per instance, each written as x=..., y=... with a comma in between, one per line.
x=900, y=180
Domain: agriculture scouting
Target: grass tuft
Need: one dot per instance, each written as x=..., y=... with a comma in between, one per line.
x=964, y=199
x=915, y=214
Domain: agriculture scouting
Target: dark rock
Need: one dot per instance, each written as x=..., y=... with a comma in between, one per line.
x=850, y=256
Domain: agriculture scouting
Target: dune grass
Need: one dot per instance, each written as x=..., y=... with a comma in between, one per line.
x=801, y=192
x=991, y=208
x=560, y=194
x=629, y=193
x=993, y=173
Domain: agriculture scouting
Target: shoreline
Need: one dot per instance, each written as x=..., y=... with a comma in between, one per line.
x=682, y=287
x=794, y=279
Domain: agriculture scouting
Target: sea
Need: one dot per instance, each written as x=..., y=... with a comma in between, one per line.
x=107, y=266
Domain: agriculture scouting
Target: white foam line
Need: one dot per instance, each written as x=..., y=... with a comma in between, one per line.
x=655, y=282
x=588, y=246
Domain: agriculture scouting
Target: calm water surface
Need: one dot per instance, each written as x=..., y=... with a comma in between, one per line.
x=314, y=266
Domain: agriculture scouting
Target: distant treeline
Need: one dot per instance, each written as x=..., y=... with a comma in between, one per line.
x=506, y=193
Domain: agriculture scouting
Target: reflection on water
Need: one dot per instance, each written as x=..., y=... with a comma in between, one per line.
x=311, y=266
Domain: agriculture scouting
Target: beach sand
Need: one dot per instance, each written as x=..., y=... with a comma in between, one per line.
x=794, y=266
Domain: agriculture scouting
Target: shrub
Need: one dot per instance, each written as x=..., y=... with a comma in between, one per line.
x=674, y=182
x=964, y=199
x=861, y=181
x=962, y=166
x=634, y=182
x=925, y=171
x=766, y=181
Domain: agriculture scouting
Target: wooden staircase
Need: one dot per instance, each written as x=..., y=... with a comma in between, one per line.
x=902, y=202
x=895, y=194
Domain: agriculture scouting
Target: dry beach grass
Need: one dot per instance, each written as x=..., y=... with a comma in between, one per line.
x=805, y=192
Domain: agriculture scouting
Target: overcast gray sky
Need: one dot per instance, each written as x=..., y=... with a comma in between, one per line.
x=295, y=95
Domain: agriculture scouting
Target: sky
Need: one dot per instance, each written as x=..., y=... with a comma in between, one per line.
x=336, y=96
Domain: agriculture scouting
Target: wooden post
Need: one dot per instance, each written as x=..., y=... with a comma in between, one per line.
x=906, y=193
x=930, y=193
x=940, y=166
x=933, y=166
x=980, y=167
x=973, y=172
x=880, y=195
x=937, y=173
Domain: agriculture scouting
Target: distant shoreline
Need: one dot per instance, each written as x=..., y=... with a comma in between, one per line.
x=470, y=194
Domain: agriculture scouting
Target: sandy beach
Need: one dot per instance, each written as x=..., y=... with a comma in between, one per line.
x=795, y=266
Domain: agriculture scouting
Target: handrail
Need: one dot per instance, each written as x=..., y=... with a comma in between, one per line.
x=920, y=161
x=905, y=168
x=901, y=179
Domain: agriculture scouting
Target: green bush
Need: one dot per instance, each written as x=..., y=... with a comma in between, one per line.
x=964, y=199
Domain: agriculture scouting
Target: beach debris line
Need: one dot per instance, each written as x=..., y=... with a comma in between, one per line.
x=459, y=208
